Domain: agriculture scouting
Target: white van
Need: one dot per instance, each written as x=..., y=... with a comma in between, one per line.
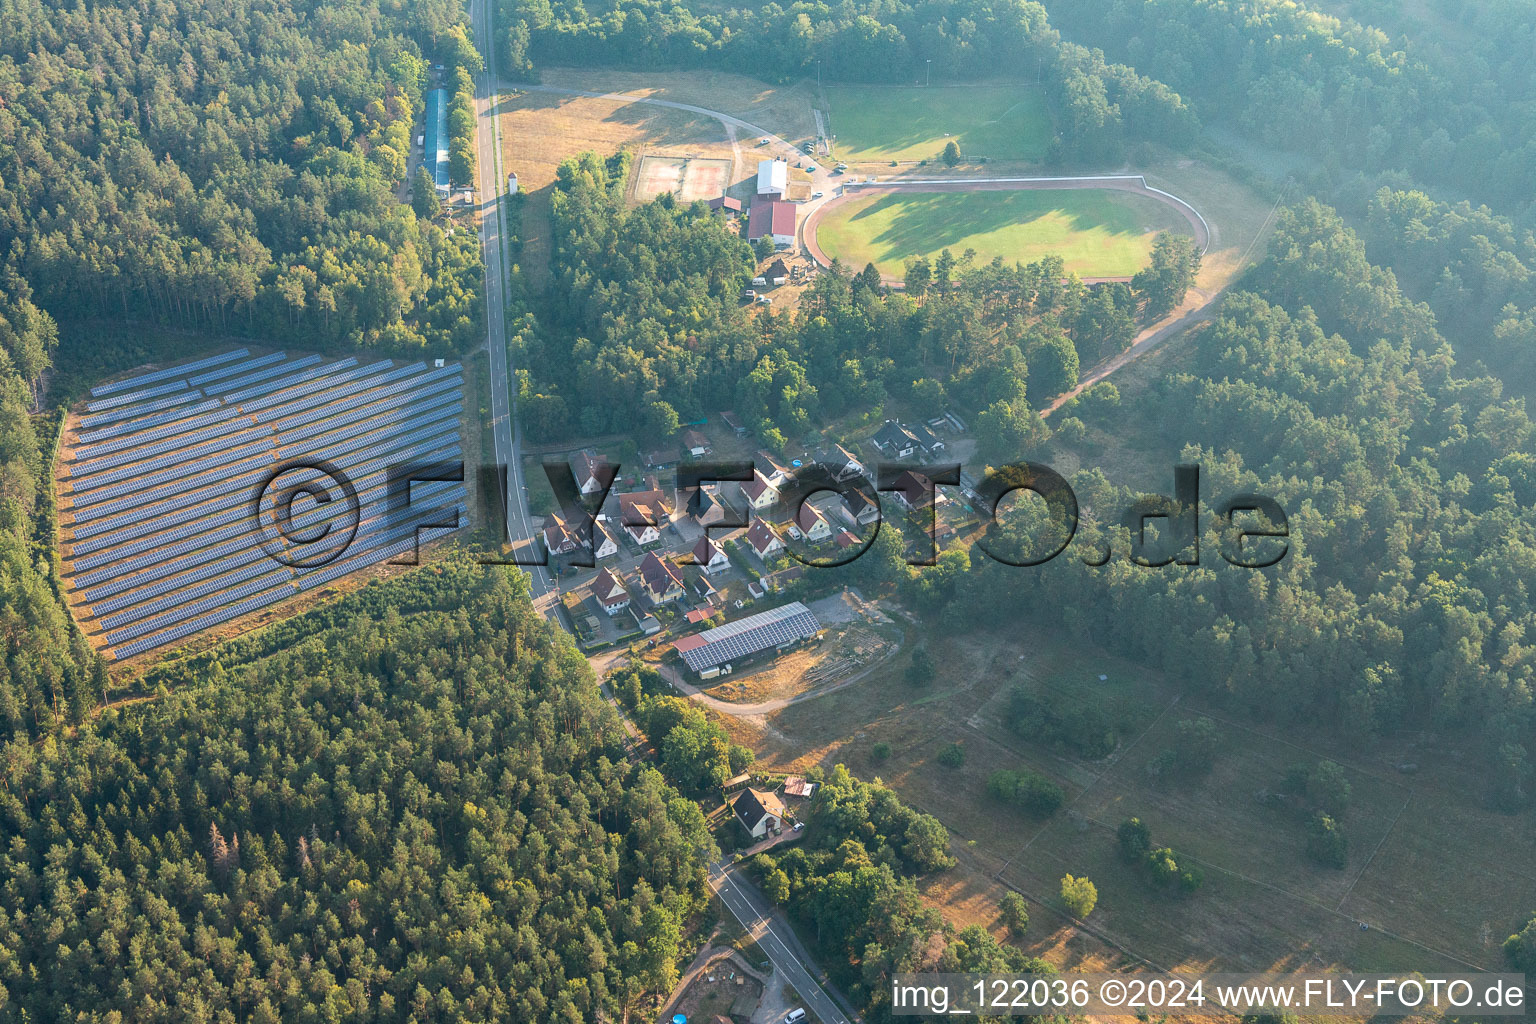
x=795, y=1016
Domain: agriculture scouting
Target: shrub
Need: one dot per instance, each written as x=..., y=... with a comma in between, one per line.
x=952, y=756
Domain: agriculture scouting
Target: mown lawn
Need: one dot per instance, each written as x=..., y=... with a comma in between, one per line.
x=999, y=122
x=1097, y=232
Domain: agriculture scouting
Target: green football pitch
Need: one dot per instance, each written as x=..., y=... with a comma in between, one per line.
x=883, y=123
x=1097, y=232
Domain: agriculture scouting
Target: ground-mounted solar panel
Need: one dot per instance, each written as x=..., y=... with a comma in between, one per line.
x=93, y=491
x=209, y=611
x=172, y=494
x=132, y=397
x=133, y=412
x=228, y=389
x=362, y=407
x=119, y=429
x=295, y=429
x=290, y=381
x=243, y=366
x=158, y=605
x=268, y=407
x=157, y=517
x=128, y=456
x=142, y=379
x=132, y=439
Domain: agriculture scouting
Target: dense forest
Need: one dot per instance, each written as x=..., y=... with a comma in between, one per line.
x=1104, y=105
x=1410, y=488
x=644, y=327
x=50, y=675
x=232, y=169
x=412, y=805
x=1361, y=106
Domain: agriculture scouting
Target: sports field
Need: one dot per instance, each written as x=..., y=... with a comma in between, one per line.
x=1098, y=233
x=994, y=121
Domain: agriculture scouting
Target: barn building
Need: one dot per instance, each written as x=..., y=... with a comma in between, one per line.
x=772, y=630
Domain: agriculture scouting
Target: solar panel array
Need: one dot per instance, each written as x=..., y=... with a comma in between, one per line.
x=157, y=492
x=760, y=632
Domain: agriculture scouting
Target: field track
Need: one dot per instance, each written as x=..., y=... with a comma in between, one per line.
x=1133, y=183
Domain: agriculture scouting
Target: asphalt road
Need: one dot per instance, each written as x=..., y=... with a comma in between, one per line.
x=741, y=898
x=492, y=184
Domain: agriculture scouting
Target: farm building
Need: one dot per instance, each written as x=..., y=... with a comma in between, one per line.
x=772, y=178
x=435, y=152
x=772, y=217
x=766, y=631
x=726, y=204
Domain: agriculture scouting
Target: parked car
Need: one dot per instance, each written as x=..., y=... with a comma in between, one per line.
x=817, y=195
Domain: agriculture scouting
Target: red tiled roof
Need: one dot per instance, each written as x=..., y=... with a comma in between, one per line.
x=770, y=217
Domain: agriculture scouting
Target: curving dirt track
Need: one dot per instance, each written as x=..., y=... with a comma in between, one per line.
x=1134, y=183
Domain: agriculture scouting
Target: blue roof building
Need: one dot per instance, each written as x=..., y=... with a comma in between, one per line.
x=435, y=152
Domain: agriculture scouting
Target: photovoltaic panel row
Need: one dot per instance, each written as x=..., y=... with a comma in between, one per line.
x=403, y=541
x=311, y=422
x=370, y=535
x=199, y=497
x=267, y=408
x=241, y=367
x=353, y=386
x=175, y=493
x=154, y=471
x=95, y=509
x=142, y=525
x=369, y=393
x=350, y=387
x=216, y=610
x=89, y=555
x=254, y=560
x=102, y=404
x=179, y=444
x=95, y=492
x=293, y=380
x=119, y=429
x=133, y=412
x=212, y=585
x=185, y=629
x=84, y=452
x=262, y=586
x=172, y=371
x=144, y=568
x=227, y=390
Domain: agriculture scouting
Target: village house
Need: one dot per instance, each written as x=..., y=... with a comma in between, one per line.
x=760, y=812
x=759, y=493
x=812, y=525
x=763, y=539
x=896, y=441
x=609, y=591
x=588, y=466
x=660, y=579
x=641, y=515
x=917, y=492
x=709, y=556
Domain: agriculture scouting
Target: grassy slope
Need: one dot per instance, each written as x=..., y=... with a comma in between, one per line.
x=1097, y=233
x=994, y=121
